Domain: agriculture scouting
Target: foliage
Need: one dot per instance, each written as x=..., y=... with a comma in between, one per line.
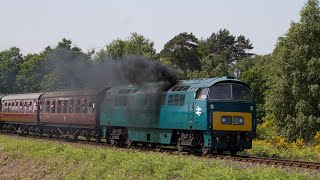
x=62, y=69
x=278, y=147
x=135, y=45
x=229, y=49
x=39, y=159
x=294, y=94
x=10, y=61
x=317, y=137
x=31, y=73
x=266, y=130
x=181, y=52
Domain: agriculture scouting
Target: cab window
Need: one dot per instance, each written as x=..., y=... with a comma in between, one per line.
x=228, y=91
x=202, y=93
x=221, y=92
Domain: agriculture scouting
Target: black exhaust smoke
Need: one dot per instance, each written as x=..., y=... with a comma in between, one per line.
x=72, y=71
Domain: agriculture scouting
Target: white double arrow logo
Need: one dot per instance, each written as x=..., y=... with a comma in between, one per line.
x=198, y=112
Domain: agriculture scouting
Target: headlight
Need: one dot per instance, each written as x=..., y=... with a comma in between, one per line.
x=238, y=120
x=226, y=120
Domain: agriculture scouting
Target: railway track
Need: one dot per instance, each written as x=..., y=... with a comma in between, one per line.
x=238, y=158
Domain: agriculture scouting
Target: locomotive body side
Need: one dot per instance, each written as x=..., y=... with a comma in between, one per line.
x=185, y=115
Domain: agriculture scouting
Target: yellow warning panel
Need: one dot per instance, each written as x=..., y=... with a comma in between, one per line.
x=246, y=126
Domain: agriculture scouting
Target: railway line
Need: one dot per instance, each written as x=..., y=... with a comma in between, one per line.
x=170, y=151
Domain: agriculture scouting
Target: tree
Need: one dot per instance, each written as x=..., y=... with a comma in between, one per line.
x=229, y=48
x=181, y=52
x=32, y=71
x=63, y=68
x=10, y=61
x=255, y=74
x=135, y=45
x=294, y=95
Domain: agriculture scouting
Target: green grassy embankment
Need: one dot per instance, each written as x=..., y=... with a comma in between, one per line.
x=40, y=159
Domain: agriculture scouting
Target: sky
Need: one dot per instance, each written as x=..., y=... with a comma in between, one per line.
x=31, y=25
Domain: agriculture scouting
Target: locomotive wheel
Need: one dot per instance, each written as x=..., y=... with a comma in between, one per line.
x=233, y=152
x=180, y=147
x=205, y=151
x=75, y=138
x=113, y=142
x=129, y=143
x=219, y=151
x=98, y=139
x=88, y=138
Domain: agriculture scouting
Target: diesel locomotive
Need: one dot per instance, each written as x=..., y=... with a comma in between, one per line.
x=208, y=114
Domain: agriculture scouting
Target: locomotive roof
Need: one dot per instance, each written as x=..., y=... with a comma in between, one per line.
x=22, y=96
x=65, y=93
x=147, y=87
x=182, y=85
x=204, y=82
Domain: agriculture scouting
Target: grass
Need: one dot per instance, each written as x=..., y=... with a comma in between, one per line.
x=39, y=159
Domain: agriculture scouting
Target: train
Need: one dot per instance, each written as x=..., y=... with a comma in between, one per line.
x=206, y=114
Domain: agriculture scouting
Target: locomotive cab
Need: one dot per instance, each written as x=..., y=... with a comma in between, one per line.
x=231, y=115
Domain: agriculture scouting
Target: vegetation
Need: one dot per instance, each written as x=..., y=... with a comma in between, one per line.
x=269, y=144
x=31, y=159
x=285, y=84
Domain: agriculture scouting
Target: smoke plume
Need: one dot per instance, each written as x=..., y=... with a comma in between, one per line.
x=70, y=70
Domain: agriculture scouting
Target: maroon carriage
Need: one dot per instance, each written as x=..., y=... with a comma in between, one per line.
x=70, y=113
x=19, y=111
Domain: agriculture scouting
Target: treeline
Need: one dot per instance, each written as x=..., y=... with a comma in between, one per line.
x=285, y=84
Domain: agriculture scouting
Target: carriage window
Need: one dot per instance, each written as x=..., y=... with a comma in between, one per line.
x=16, y=108
x=25, y=107
x=30, y=107
x=59, y=106
x=47, y=106
x=85, y=106
x=9, y=107
x=12, y=107
x=21, y=107
x=78, y=106
x=53, y=107
x=71, y=106
x=65, y=106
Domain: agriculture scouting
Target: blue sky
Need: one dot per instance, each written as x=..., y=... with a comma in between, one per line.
x=31, y=25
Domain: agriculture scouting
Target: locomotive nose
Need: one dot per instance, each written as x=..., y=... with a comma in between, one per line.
x=232, y=121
